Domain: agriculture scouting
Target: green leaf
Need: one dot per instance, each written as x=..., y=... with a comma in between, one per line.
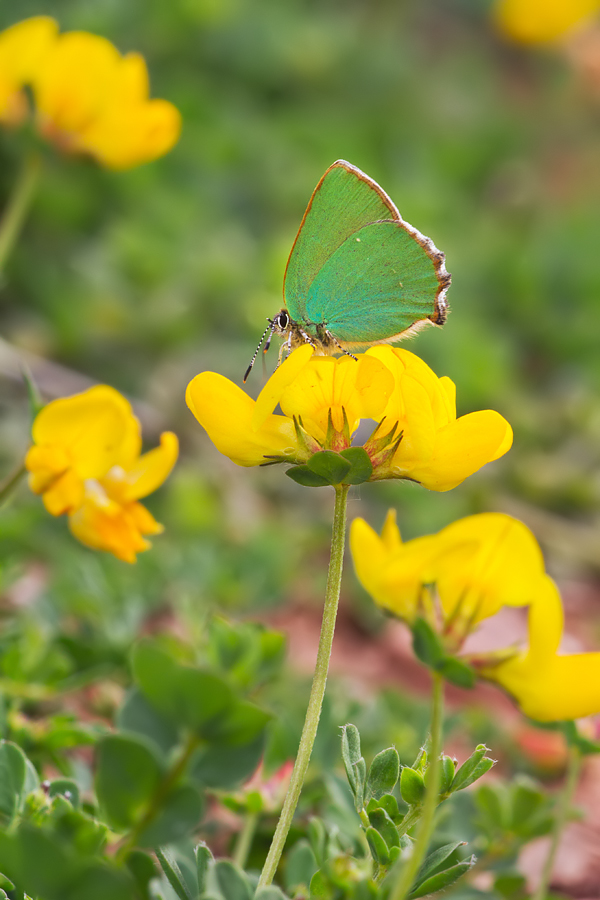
x=320, y=889
x=491, y=800
x=380, y=820
x=233, y=882
x=306, y=477
x=412, y=786
x=329, y=465
x=138, y=715
x=378, y=846
x=65, y=787
x=99, y=882
x=511, y=885
x=465, y=775
x=240, y=724
x=189, y=696
x=427, y=645
x=223, y=766
x=389, y=803
x=435, y=860
x=269, y=893
x=128, y=773
x=442, y=879
x=383, y=773
x=168, y=864
x=203, y=860
x=356, y=768
x=317, y=836
x=361, y=467
x=447, y=774
x=458, y=672
x=13, y=771
x=179, y=815
x=142, y=868
x=300, y=866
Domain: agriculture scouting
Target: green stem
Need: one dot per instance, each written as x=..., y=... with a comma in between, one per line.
x=161, y=793
x=18, y=205
x=244, y=839
x=317, y=692
x=409, y=872
x=8, y=486
x=562, y=813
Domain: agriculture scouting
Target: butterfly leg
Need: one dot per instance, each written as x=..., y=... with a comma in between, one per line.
x=339, y=346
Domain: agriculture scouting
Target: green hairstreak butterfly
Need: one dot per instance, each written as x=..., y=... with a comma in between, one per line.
x=358, y=274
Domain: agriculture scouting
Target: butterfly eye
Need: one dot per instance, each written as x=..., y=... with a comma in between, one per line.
x=283, y=320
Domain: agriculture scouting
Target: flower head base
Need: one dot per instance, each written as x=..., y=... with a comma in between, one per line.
x=88, y=98
x=86, y=462
x=323, y=400
x=451, y=581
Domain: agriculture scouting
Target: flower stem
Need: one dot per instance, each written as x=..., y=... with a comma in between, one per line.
x=313, y=712
x=244, y=839
x=408, y=874
x=562, y=812
x=18, y=205
x=9, y=485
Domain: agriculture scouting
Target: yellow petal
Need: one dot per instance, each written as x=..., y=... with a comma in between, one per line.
x=283, y=376
x=90, y=427
x=64, y=495
x=22, y=50
x=538, y=21
x=153, y=468
x=225, y=412
x=547, y=686
x=484, y=562
x=461, y=448
x=390, y=533
x=102, y=524
x=71, y=88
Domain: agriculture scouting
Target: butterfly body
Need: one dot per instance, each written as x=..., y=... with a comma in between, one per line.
x=357, y=274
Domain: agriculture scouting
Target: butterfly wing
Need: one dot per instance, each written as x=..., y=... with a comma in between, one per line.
x=344, y=200
x=380, y=282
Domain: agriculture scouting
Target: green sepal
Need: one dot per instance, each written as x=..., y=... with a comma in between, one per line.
x=442, y=880
x=389, y=803
x=468, y=772
x=576, y=739
x=356, y=768
x=434, y=860
x=447, y=774
x=361, y=467
x=306, y=477
x=329, y=465
x=412, y=786
x=427, y=645
x=233, y=882
x=457, y=672
x=383, y=773
x=380, y=820
x=65, y=787
x=378, y=846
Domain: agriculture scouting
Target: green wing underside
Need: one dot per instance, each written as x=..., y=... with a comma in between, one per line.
x=342, y=203
x=378, y=283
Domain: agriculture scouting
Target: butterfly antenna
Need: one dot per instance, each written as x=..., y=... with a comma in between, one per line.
x=270, y=327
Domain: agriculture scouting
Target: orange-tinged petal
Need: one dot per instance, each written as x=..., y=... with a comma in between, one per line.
x=90, y=427
x=225, y=412
x=102, y=524
x=64, y=495
x=144, y=520
x=538, y=21
x=22, y=50
x=152, y=468
x=283, y=376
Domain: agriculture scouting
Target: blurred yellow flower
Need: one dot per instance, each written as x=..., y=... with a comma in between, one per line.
x=88, y=98
x=323, y=400
x=21, y=47
x=539, y=21
x=466, y=573
x=86, y=462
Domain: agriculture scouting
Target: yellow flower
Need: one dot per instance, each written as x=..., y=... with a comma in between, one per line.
x=538, y=21
x=323, y=400
x=477, y=564
x=88, y=98
x=466, y=573
x=547, y=686
x=21, y=47
x=85, y=461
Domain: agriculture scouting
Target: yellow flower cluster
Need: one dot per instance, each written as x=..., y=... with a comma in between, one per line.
x=540, y=21
x=465, y=574
x=85, y=462
x=88, y=98
x=323, y=399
